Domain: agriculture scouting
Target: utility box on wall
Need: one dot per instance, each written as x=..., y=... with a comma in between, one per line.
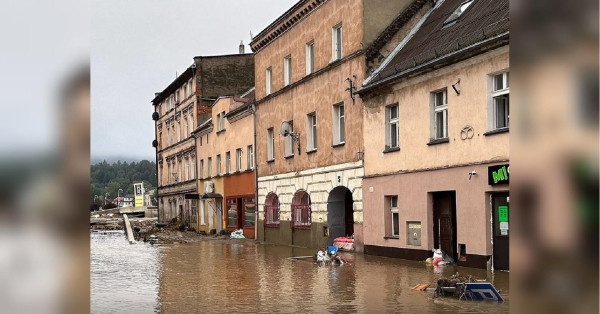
x=414, y=233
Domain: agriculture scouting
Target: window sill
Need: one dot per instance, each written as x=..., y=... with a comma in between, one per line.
x=439, y=141
x=311, y=151
x=392, y=237
x=339, y=144
x=271, y=160
x=220, y=131
x=390, y=150
x=289, y=156
x=496, y=131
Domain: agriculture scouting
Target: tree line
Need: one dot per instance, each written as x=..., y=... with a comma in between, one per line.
x=109, y=178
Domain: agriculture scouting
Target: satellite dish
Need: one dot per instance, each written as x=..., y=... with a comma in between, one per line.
x=285, y=129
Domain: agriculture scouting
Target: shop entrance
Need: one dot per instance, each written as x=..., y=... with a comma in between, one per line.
x=444, y=222
x=340, y=213
x=500, y=257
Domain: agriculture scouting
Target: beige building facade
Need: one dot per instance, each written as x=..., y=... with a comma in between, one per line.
x=437, y=154
x=309, y=129
x=178, y=110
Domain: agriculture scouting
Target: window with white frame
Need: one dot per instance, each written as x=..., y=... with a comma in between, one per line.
x=440, y=114
x=209, y=167
x=311, y=131
x=270, y=144
x=238, y=157
x=287, y=70
x=310, y=57
x=177, y=96
x=218, y=165
x=250, y=156
x=339, y=124
x=336, y=42
x=395, y=221
x=227, y=162
x=289, y=141
x=499, y=98
x=201, y=169
x=269, y=81
x=391, y=127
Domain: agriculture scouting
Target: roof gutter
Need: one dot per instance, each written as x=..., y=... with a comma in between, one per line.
x=430, y=64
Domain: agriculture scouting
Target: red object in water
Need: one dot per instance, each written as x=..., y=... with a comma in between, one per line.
x=436, y=261
x=344, y=239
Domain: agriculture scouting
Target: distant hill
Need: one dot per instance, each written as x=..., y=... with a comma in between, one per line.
x=112, y=159
x=110, y=177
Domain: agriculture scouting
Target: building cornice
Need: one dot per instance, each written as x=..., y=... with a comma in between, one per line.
x=284, y=23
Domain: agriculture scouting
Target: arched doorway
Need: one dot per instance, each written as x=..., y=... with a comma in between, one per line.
x=340, y=213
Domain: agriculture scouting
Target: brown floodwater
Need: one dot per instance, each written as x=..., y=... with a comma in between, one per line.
x=244, y=277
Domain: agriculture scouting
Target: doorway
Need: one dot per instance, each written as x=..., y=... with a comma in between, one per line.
x=500, y=258
x=444, y=223
x=340, y=214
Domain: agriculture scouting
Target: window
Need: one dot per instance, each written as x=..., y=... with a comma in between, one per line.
x=191, y=123
x=459, y=11
x=310, y=57
x=287, y=70
x=238, y=155
x=219, y=165
x=271, y=211
x=269, y=81
x=339, y=122
x=187, y=169
x=168, y=172
x=311, y=131
x=179, y=173
x=168, y=136
x=201, y=169
x=185, y=91
x=301, y=211
x=270, y=144
x=500, y=101
x=391, y=127
x=221, y=121
x=160, y=140
x=289, y=141
x=249, y=212
x=336, y=43
x=209, y=167
x=177, y=96
x=395, y=222
x=190, y=87
x=193, y=167
x=178, y=131
x=185, y=127
x=250, y=156
x=440, y=114
x=227, y=162
x=232, y=213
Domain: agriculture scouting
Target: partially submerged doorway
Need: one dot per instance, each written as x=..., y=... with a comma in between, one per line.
x=444, y=222
x=340, y=213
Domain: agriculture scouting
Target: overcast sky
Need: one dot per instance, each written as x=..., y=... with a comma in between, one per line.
x=137, y=46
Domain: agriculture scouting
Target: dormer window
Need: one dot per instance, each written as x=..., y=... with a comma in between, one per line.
x=459, y=11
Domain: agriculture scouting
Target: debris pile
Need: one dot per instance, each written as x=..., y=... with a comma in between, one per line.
x=237, y=234
x=440, y=258
x=328, y=257
x=452, y=286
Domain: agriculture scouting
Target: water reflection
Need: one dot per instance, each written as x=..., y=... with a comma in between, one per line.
x=217, y=277
x=212, y=277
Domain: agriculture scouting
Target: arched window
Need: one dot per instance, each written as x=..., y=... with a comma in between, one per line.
x=272, y=211
x=301, y=210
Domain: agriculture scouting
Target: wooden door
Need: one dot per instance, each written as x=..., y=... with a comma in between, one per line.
x=445, y=222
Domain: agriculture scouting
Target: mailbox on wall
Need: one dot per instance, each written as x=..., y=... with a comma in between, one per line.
x=414, y=233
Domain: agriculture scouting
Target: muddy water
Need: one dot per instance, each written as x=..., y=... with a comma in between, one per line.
x=235, y=277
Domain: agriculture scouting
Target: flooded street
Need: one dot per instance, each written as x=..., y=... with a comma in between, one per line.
x=240, y=276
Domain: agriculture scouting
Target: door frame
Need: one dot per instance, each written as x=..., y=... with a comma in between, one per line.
x=492, y=221
x=435, y=226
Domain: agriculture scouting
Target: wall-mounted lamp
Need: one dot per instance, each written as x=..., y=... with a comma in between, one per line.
x=454, y=87
x=472, y=173
x=352, y=87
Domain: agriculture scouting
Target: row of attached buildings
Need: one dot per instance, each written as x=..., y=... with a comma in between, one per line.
x=384, y=121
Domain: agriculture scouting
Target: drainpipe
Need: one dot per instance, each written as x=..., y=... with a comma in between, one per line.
x=253, y=111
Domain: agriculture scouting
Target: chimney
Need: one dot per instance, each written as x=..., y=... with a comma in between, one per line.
x=241, y=47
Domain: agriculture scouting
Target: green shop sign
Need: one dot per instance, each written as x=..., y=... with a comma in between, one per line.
x=498, y=174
